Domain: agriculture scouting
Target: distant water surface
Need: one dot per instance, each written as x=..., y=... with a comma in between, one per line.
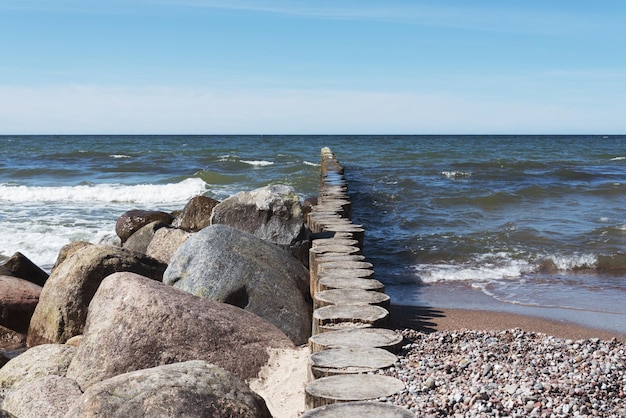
x=533, y=224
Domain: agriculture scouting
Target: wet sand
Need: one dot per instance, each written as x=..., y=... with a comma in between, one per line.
x=430, y=319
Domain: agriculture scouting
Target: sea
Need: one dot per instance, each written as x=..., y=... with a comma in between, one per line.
x=507, y=223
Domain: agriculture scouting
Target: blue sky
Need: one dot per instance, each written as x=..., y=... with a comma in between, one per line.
x=312, y=67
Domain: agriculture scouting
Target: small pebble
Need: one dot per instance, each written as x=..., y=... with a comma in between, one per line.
x=470, y=373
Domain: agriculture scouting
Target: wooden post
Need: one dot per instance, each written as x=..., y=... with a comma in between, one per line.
x=358, y=409
x=357, y=338
x=362, y=316
x=346, y=388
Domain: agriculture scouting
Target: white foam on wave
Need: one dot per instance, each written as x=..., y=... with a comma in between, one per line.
x=110, y=193
x=228, y=157
x=433, y=273
x=39, y=221
x=310, y=163
x=456, y=175
x=618, y=159
x=500, y=266
x=574, y=261
x=119, y=156
x=258, y=163
x=41, y=241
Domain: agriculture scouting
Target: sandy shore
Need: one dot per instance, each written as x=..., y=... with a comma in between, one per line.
x=428, y=319
x=282, y=382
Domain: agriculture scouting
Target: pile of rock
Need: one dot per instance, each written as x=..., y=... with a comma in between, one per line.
x=172, y=321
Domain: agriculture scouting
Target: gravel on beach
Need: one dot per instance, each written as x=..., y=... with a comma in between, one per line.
x=516, y=373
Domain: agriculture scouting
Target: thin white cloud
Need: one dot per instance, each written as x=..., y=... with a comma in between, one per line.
x=498, y=17
x=91, y=109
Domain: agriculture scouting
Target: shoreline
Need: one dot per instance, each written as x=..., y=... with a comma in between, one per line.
x=429, y=319
x=460, y=296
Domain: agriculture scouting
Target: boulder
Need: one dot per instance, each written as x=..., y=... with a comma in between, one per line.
x=18, y=299
x=40, y=361
x=49, y=396
x=20, y=266
x=272, y=213
x=165, y=243
x=196, y=214
x=187, y=389
x=140, y=240
x=228, y=265
x=136, y=323
x=133, y=220
x=69, y=249
x=64, y=300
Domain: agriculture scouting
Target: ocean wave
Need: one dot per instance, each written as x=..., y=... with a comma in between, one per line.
x=212, y=177
x=228, y=157
x=456, y=175
x=257, y=163
x=618, y=159
x=311, y=164
x=105, y=193
x=614, y=262
x=41, y=241
x=503, y=266
x=119, y=156
x=434, y=273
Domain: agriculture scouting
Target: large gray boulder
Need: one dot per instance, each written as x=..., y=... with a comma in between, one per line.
x=228, y=265
x=63, y=303
x=272, y=213
x=18, y=299
x=188, y=389
x=136, y=323
x=50, y=396
x=196, y=214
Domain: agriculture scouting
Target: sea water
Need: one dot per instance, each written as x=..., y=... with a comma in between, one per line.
x=529, y=224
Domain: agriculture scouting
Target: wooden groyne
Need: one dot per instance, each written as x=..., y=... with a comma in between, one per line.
x=349, y=338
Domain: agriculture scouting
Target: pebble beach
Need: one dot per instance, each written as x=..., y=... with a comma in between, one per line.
x=472, y=373
x=514, y=372
x=470, y=363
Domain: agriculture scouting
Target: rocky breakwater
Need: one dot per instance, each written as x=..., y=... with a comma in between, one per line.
x=349, y=341
x=173, y=320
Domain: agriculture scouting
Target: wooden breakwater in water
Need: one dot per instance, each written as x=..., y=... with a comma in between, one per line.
x=349, y=338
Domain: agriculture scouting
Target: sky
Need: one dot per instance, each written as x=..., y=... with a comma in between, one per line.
x=312, y=67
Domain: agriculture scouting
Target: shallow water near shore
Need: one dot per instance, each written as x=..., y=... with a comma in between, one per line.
x=527, y=224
